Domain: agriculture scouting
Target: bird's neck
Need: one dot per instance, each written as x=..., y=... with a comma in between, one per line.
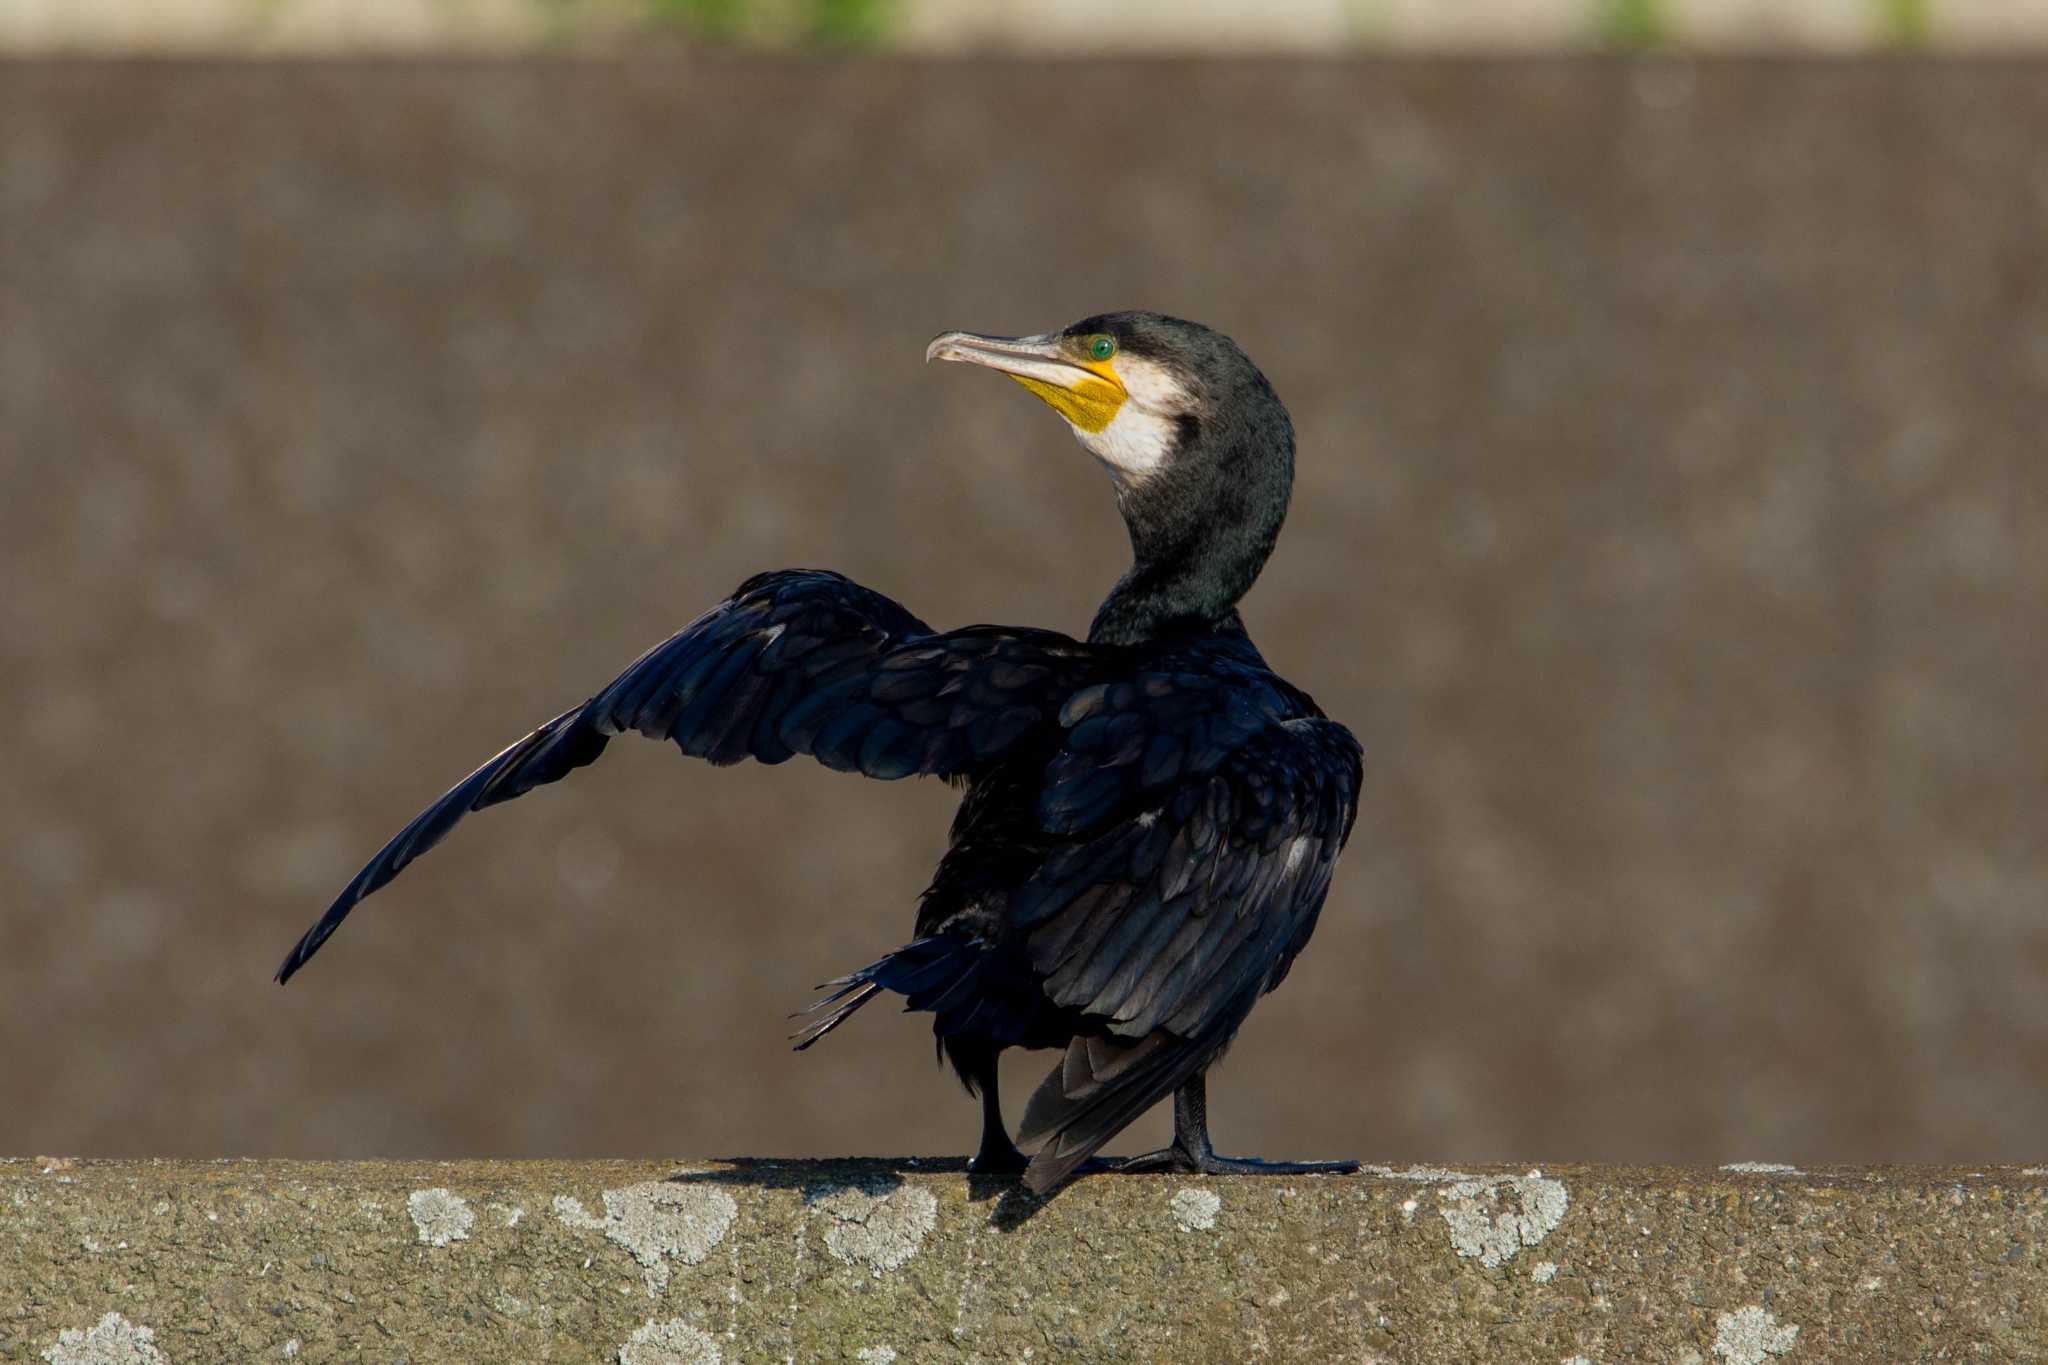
x=1192, y=559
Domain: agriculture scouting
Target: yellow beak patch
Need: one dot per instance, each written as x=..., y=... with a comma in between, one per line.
x=1090, y=403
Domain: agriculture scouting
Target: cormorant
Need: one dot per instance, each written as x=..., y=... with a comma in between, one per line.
x=1151, y=815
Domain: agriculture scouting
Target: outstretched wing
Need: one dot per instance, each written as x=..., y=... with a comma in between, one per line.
x=795, y=662
x=1212, y=831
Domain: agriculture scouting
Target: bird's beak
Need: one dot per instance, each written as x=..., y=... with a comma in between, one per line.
x=1085, y=391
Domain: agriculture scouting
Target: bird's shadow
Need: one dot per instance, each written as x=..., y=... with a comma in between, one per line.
x=815, y=1178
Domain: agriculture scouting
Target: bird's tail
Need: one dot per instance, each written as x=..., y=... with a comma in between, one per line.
x=1103, y=1083
x=940, y=973
x=1100, y=1086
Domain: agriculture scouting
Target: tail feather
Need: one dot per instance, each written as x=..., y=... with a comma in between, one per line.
x=853, y=996
x=1102, y=1084
x=928, y=972
x=1095, y=1092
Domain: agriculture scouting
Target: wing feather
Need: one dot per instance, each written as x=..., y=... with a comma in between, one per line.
x=795, y=662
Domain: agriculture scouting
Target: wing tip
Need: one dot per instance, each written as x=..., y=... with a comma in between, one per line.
x=309, y=944
x=293, y=960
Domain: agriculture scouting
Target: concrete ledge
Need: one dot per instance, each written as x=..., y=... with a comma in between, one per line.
x=877, y=1261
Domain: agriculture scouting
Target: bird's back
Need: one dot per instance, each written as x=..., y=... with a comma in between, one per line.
x=1150, y=730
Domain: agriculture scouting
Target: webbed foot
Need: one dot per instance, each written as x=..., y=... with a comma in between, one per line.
x=1179, y=1159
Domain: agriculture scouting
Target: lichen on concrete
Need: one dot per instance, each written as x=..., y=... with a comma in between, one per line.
x=822, y=1261
x=570, y=1210
x=657, y=1221
x=672, y=1342
x=1750, y=1333
x=877, y=1227
x=1421, y=1174
x=1494, y=1219
x=1761, y=1168
x=1195, y=1209
x=440, y=1216
x=113, y=1340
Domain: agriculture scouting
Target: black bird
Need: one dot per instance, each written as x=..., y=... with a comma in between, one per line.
x=1151, y=815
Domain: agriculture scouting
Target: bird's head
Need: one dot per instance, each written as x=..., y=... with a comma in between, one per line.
x=1197, y=443
x=1135, y=388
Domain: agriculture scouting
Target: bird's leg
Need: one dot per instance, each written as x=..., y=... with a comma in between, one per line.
x=998, y=1155
x=1191, y=1152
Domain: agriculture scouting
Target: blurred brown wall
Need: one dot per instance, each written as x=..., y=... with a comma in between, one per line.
x=1669, y=528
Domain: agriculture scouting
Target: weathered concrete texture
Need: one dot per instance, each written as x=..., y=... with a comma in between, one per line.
x=901, y=1261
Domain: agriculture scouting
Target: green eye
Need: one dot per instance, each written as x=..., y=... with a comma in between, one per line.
x=1102, y=348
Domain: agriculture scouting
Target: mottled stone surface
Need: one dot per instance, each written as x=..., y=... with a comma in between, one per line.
x=1668, y=527
x=245, y=1261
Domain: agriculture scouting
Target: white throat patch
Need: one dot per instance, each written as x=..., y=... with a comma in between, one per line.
x=1135, y=444
x=1139, y=440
